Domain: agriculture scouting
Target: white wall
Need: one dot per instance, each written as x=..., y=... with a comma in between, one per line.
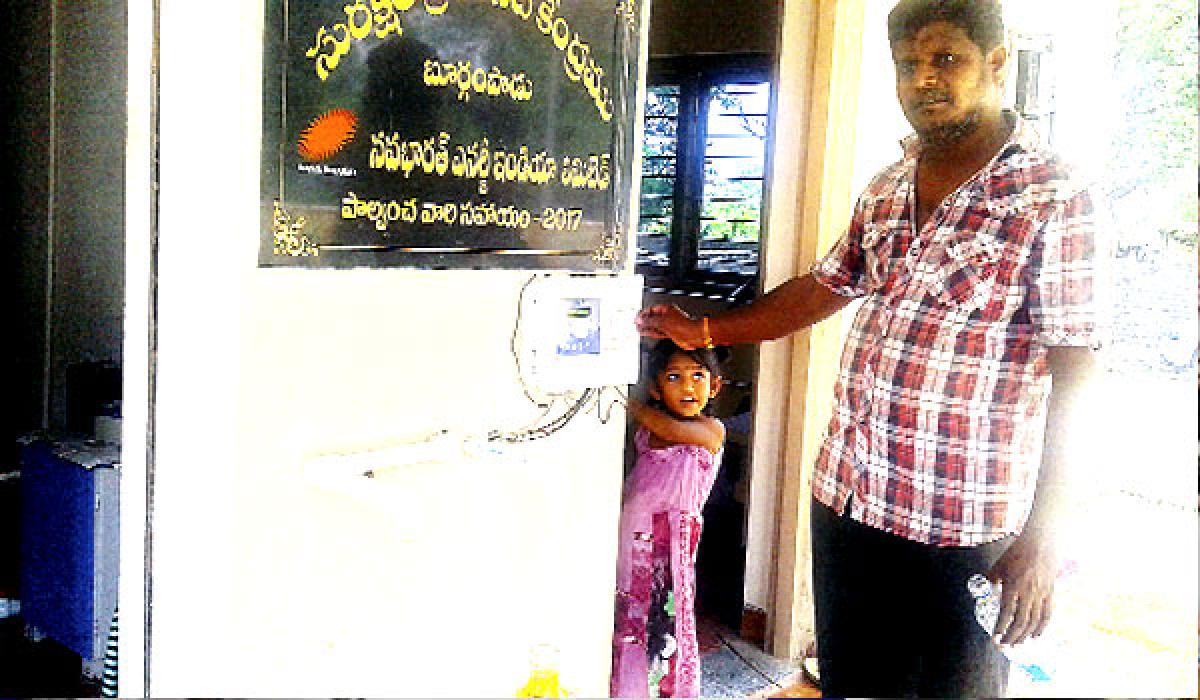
x=881, y=123
x=265, y=584
x=1086, y=105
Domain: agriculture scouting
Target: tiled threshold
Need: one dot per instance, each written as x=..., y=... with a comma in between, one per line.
x=731, y=667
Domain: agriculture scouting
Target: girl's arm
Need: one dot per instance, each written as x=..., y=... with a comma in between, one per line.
x=705, y=431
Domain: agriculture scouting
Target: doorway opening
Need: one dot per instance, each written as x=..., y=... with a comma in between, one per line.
x=64, y=202
x=699, y=243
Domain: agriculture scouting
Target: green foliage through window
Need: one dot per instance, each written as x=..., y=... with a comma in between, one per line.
x=703, y=155
x=1155, y=149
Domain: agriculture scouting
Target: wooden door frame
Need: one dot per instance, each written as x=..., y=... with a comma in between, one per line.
x=808, y=204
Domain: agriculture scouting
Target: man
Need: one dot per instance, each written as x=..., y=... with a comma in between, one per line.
x=975, y=258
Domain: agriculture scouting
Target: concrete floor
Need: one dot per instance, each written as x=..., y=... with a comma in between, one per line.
x=731, y=667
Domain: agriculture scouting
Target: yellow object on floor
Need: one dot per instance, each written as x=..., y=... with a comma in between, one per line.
x=542, y=683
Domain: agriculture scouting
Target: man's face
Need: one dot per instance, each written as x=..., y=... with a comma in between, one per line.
x=945, y=82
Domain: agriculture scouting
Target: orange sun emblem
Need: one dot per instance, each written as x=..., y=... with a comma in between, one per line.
x=327, y=134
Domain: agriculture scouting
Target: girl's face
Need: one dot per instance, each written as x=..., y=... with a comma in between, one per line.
x=685, y=386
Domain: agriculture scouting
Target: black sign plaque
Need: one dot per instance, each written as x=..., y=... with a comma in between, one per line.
x=448, y=133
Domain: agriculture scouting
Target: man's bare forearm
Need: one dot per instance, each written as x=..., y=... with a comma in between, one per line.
x=1071, y=369
x=1029, y=566
x=792, y=306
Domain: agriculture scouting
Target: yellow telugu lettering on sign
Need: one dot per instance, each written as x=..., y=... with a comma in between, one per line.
x=411, y=211
x=381, y=18
x=492, y=83
x=435, y=155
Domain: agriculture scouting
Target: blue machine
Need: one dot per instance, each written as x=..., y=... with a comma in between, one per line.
x=69, y=545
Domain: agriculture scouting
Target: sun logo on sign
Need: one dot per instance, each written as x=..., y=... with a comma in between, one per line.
x=327, y=134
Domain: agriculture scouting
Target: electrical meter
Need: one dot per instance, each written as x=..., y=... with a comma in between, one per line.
x=577, y=331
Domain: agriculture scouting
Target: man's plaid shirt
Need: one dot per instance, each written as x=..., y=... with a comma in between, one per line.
x=941, y=397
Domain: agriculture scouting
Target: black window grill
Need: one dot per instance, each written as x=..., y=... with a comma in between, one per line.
x=703, y=174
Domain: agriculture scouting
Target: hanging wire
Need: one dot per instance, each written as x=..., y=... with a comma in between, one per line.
x=512, y=348
x=548, y=429
x=604, y=413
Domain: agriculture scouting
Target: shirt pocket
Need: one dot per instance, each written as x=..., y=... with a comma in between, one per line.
x=878, y=242
x=966, y=274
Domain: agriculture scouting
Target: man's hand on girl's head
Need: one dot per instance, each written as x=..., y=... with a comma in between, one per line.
x=669, y=321
x=650, y=319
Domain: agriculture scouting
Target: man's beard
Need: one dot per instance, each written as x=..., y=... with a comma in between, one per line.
x=948, y=134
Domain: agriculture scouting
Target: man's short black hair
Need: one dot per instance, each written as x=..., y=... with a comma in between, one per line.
x=982, y=20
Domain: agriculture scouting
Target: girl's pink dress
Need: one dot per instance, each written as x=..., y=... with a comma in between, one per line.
x=654, y=643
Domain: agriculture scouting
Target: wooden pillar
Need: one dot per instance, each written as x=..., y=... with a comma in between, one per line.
x=810, y=203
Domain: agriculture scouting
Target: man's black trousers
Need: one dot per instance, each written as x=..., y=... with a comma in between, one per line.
x=894, y=617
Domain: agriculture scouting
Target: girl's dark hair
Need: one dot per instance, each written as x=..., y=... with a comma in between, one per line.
x=982, y=20
x=665, y=348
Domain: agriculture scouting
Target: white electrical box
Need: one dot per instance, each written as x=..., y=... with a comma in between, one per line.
x=577, y=331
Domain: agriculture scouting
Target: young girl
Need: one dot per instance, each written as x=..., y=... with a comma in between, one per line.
x=678, y=452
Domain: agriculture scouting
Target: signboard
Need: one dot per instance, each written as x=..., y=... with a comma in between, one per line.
x=448, y=133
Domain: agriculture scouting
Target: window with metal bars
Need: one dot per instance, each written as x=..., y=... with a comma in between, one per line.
x=703, y=157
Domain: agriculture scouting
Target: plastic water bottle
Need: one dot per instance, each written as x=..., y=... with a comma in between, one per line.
x=1034, y=656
